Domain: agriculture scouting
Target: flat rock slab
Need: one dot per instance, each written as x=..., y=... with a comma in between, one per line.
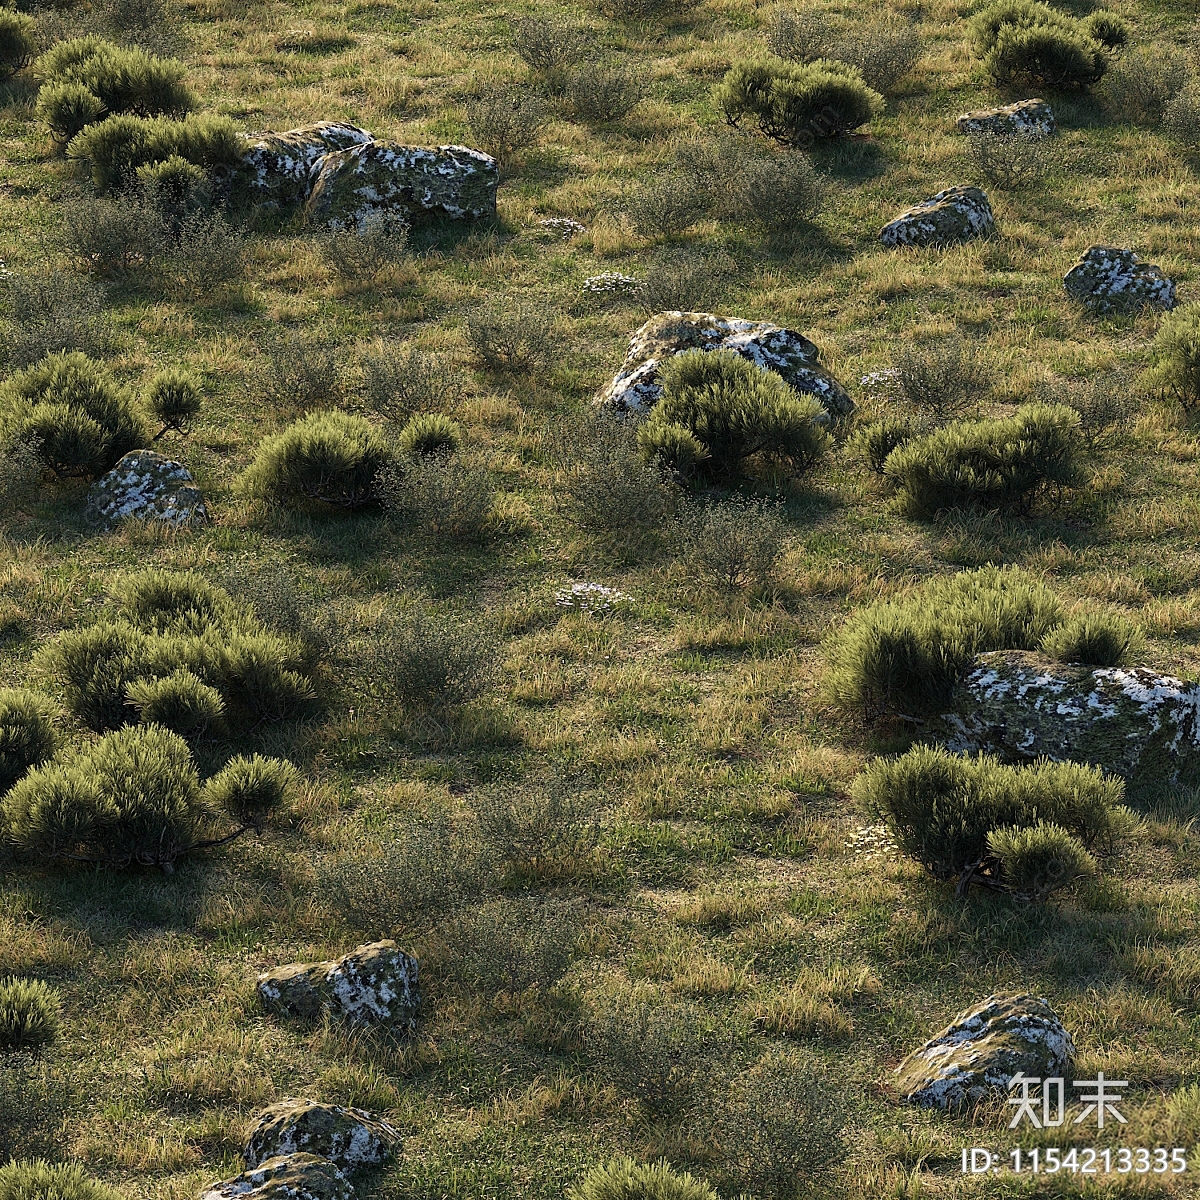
x=348, y=1137
x=953, y=215
x=415, y=182
x=277, y=168
x=373, y=984
x=1111, y=278
x=635, y=388
x=1129, y=720
x=285, y=1177
x=148, y=487
x=976, y=1056
x=1026, y=118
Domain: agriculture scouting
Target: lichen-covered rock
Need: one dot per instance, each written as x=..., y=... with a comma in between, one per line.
x=412, y=181
x=277, y=168
x=979, y=1052
x=349, y=1137
x=373, y=984
x=148, y=487
x=635, y=389
x=1027, y=118
x=1128, y=720
x=953, y=215
x=285, y=1177
x=1109, y=277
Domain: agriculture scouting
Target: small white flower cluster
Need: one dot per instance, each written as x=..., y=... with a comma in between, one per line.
x=608, y=282
x=881, y=384
x=4, y=271
x=872, y=841
x=565, y=227
x=592, y=598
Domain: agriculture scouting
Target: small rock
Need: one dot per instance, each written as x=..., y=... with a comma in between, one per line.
x=1129, y=720
x=412, y=181
x=349, y=1137
x=979, y=1052
x=1109, y=277
x=285, y=1177
x=635, y=389
x=373, y=984
x=1028, y=118
x=277, y=168
x=149, y=487
x=953, y=215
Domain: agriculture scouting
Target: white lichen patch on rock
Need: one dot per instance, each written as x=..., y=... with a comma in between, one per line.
x=277, y=168
x=147, y=486
x=635, y=388
x=978, y=1053
x=953, y=215
x=285, y=1177
x=1110, y=277
x=1026, y=118
x=1129, y=720
x=348, y=1137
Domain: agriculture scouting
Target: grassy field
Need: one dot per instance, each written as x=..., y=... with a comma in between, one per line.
x=709, y=873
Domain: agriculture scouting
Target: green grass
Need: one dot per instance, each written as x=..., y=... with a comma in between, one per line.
x=694, y=722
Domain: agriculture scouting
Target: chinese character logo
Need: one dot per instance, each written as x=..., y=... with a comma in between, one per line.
x=1048, y=1107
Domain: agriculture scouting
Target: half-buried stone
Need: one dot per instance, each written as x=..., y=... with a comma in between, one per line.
x=285, y=1177
x=147, y=486
x=954, y=215
x=348, y=1137
x=1109, y=278
x=1026, y=118
x=277, y=168
x=976, y=1056
x=635, y=388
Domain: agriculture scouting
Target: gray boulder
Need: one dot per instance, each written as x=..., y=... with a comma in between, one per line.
x=147, y=487
x=635, y=388
x=1026, y=118
x=953, y=215
x=277, y=168
x=410, y=181
x=976, y=1056
x=348, y=1137
x=286, y=1177
x=373, y=984
x=1129, y=720
x=1109, y=278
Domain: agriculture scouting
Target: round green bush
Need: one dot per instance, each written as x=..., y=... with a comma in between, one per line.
x=180, y=702
x=82, y=420
x=1045, y=55
x=1107, y=28
x=28, y=734
x=250, y=789
x=736, y=411
x=124, y=79
x=798, y=104
x=173, y=399
x=1039, y=859
x=1175, y=354
x=173, y=602
x=330, y=457
x=986, y=25
x=29, y=1012
x=624, y=1179
x=428, y=434
x=18, y=41
x=67, y=109
x=1094, y=639
x=93, y=666
x=875, y=441
x=38, y=1180
x=672, y=446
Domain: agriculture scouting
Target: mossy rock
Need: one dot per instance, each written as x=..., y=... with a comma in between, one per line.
x=1110, y=278
x=147, y=486
x=277, y=168
x=285, y=1177
x=954, y=215
x=1025, y=118
x=348, y=1137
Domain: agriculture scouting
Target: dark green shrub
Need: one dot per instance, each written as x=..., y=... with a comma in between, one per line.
x=1039, y=859
x=1003, y=465
x=942, y=379
x=37, y=1180
x=52, y=313
x=550, y=46
x=116, y=147
x=158, y=601
x=67, y=109
x=28, y=734
x=18, y=41
x=736, y=411
x=798, y=104
x=1095, y=639
x=505, y=120
x=672, y=448
x=1029, y=39
x=733, y=542
x=1142, y=82
x=429, y=434
x=987, y=25
x=1108, y=28
x=941, y=808
x=363, y=253
x=29, y=1014
x=1181, y=119
x=94, y=666
x=1176, y=356
x=176, y=190
x=874, y=441
x=329, y=457
x=123, y=79
x=180, y=702
x=905, y=655
x=514, y=337
x=173, y=400
x=780, y=191
x=249, y=790
x=441, y=495
x=624, y=1179
x=83, y=421
x=604, y=90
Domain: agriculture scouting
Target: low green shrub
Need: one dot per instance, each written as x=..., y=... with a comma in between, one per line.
x=181, y=702
x=736, y=411
x=1001, y=465
x=1039, y=859
x=398, y=381
x=29, y=1014
x=1107, y=27
x=53, y=312
x=604, y=90
x=113, y=236
x=82, y=420
x=874, y=441
x=734, y=542
x=173, y=400
x=1175, y=354
x=1096, y=639
x=505, y=120
x=296, y=374
x=363, y=253
x=1011, y=160
x=38, y=1180
x=329, y=457
x=1029, y=39
x=683, y=279
x=666, y=205
x=18, y=41
x=624, y=1179
x=1181, y=119
x=905, y=655
x=441, y=495
x=779, y=192
x=28, y=734
x=429, y=434
x=514, y=337
x=176, y=190
x=884, y=50
x=798, y=104
x=249, y=790
x=1142, y=82
x=67, y=109
x=942, y=809
x=942, y=379
x=550, y=46
x=161, y=602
